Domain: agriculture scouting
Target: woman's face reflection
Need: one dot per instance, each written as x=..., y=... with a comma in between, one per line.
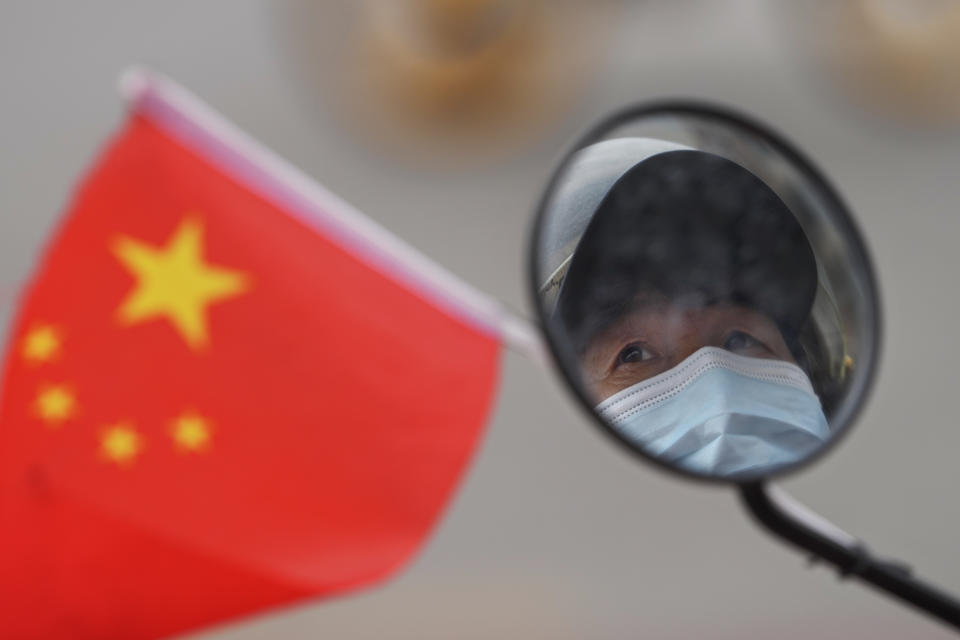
x=657, y=334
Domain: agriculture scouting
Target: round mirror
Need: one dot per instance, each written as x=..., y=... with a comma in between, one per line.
x=705, y=292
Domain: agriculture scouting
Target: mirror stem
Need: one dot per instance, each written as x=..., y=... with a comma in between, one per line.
x=791, y=521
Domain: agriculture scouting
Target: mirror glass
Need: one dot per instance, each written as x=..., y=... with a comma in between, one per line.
x=705, y=292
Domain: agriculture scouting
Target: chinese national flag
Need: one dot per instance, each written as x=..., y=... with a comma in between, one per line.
x=220, y=397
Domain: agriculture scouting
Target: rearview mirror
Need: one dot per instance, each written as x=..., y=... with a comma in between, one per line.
x=705, y=292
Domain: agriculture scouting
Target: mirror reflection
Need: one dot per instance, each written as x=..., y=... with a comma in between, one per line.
x=691, y=309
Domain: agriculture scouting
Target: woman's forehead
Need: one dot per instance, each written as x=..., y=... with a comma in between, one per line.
x=656, y=314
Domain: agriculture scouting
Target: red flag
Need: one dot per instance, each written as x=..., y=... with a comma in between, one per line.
x=225, y=391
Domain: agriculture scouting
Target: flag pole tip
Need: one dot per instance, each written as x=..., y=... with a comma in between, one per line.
x=135, y=81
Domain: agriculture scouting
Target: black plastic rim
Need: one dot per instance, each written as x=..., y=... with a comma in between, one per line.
x=841, y=217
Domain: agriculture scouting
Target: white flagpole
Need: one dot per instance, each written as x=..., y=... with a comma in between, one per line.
x=193, y=122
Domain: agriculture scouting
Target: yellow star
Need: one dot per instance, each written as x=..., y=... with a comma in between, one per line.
x=191, y=432
x=121, y=444
x=174, y=282
x=42, y=344
x=55, y=404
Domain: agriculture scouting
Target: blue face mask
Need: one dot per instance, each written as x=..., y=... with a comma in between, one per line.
x=722, y=414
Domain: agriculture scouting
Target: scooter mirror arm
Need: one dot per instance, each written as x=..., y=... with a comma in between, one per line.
x=788, y=519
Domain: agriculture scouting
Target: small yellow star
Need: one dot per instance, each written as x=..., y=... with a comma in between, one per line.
x=191, y=432
x=121, y=444
x=55, y=404
x=41, y=344
x=174, y=282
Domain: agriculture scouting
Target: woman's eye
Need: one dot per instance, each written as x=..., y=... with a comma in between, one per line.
x=634, y=353
x=740, y=341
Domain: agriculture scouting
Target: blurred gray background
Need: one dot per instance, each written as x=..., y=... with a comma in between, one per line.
x=556, y=533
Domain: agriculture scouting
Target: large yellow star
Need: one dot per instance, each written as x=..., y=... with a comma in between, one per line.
x=175, y=283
